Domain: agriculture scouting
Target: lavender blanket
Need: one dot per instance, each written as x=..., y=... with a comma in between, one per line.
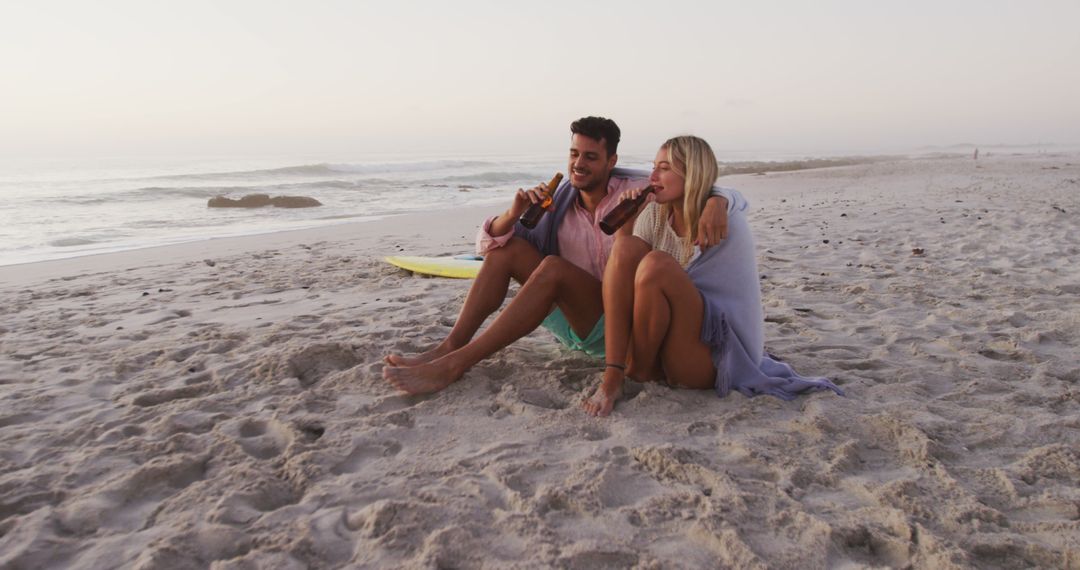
x=733, y=325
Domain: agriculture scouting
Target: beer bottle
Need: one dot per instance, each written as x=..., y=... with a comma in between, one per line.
x=532, y=216
x=624, y=211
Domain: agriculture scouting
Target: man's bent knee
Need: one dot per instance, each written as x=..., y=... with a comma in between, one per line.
x=518, y=257
x=551, y=268
x=508, y=252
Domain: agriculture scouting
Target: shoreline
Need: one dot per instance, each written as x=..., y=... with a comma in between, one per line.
x=365, y=232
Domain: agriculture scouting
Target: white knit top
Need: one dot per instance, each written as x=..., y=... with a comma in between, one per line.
x=657, y=232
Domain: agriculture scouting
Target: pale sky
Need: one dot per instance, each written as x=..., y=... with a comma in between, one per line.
x=240, y=77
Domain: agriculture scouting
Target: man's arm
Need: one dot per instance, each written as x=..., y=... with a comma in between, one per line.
x=504, y=224
x=712, y=228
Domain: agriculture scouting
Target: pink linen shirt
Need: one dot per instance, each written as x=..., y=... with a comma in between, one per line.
x=581, y=241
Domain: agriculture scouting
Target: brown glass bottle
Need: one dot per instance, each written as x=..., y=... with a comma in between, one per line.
x=532, y=216
x=624, y=211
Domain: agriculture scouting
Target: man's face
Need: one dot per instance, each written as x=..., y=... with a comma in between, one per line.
x=590, y=164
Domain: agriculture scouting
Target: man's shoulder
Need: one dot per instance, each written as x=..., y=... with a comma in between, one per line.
x=624, y=172
x=623, y=175
x=622, y=179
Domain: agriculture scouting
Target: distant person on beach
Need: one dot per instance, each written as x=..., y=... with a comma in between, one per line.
x=677, y=315
x=559, y=264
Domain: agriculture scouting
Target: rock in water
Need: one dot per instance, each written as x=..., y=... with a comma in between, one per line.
x=249, y=201
x=261, y=200
x=294, y=202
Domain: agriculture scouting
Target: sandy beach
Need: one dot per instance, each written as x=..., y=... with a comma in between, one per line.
x=220, y=404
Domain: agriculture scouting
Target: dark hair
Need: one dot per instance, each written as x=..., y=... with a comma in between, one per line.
x=598, y=129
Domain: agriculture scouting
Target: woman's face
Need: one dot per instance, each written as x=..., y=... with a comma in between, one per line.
x=669, y=185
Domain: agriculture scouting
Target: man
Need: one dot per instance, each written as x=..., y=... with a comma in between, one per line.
x=559, y=264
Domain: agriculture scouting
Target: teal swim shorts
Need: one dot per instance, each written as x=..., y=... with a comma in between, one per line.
x=593, y=345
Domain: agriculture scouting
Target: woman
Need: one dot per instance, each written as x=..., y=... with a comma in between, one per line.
x=674, y=314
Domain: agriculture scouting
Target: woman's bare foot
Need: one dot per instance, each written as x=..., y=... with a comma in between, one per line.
x=424, y=378
x=602, y=401
x=440, y=350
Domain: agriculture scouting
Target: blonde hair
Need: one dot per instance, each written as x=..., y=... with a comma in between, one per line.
x=693, y=159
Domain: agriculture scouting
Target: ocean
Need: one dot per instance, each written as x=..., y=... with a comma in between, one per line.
x=52, y=209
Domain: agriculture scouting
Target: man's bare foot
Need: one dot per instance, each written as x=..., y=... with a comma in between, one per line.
x=422, y=379
x=440, y=350
x=602, y=401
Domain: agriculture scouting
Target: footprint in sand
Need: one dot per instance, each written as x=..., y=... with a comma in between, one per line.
x=594, y=433
x=402, y=418
x=871, y=544
x=244, y=507
x=1006, y=356
x=393, y=524
x=183, y=353
x=513, y=401
x=599, y=559
x=157, y=397
x=497, y=411
x=363, y=454
x=702, y=428
x=264, y=439
x=127, y=502
x=391, y=404
x=311, y=431
x=860, y=364
x=541, y=399
x=312, y=363
x=197, y=548
x=18, y=418
x=778, y=319
x=168, y=315
x=121, y=433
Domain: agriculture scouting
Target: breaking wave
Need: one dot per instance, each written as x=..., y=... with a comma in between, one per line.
x=71, y=242
x=158, y=192
x=328, y=169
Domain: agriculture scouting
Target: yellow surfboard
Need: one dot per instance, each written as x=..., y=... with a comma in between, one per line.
x=460, y=267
